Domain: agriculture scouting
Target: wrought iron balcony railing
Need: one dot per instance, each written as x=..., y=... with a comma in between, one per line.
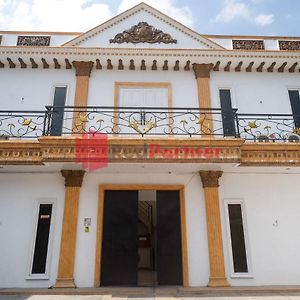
x=154, y=121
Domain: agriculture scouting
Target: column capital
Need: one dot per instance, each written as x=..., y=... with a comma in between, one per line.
x=210, y=178
x=83, y=68
x=73, y=177
x=202, y=70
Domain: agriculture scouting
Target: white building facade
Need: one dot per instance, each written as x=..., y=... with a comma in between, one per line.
x=141, y=153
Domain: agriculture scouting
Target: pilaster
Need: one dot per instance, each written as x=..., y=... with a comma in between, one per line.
x=210, y=183
x=73, y=182
x=83, y=72
x=202, y=75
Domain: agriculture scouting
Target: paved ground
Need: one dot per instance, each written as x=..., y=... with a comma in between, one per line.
x=236, y=293
x=109, y=297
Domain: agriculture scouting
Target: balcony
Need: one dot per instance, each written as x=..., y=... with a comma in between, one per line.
x=149, y=122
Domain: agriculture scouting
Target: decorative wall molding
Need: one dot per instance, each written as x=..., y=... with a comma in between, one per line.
x=206, y=55
x=143, y=33
x=248, y=45
x=60, y=149
x=266, y=154
x=83, y=68
x=20, y=153
x=289, y=45
x=210, y=178
x=33, y=40
x=202, y=70
x=73, y=177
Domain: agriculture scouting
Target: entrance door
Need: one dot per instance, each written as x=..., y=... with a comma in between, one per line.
x=120, y=239
x=169, y=254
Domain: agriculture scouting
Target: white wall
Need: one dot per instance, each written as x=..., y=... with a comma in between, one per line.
x=30, y=89
x=184, y=85
x=273, y=246
x=19, y=198
x=17, y=219
x=196, y=228
x=55, y=41
x=251, y=92
x=274, y=250
x=255, y=92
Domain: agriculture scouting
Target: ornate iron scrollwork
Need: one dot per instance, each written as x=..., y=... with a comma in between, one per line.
x=143, y=33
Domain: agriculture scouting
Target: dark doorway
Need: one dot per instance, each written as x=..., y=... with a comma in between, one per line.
x=119, y=246
x=169, y=263
x=141, y=243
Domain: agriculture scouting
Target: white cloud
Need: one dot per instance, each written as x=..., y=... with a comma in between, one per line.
x=263, y=20
x=56, y=15
x=73, y=15
x=182, y=14
x=232, y=10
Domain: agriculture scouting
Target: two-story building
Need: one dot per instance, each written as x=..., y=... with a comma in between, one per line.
x=142, y=153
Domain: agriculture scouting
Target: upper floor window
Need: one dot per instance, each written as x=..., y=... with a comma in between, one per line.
x=144, y=107
x=59, y=101
x=227, y=113
x=295, y=105
x=142, y=95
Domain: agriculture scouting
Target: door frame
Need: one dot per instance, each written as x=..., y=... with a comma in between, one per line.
x=103, y=188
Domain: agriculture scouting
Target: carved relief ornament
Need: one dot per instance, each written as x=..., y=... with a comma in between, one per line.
x=83, y=68
x=143, y=33
x=248, y=45
x=73, y=177
x=33, y=40
x=210, y=178
x=202, y=70
x=289, y=45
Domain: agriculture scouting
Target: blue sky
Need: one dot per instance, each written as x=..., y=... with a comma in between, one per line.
x=241, y=17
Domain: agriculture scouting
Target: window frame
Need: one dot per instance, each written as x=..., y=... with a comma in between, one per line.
x=141, y=85
x=66, y=120
x=46, y=275
x=234, y=274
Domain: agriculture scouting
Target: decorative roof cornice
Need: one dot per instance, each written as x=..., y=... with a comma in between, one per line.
x=28, y=50
x=223, y=60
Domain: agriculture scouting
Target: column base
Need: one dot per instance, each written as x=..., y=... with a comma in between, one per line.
x=218, y=282
x=64, y=283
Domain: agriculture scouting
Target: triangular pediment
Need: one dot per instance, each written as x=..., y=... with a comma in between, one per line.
x=142, y=27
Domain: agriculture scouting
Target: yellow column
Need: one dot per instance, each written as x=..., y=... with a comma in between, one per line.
x=83, y=73
x=73, y=182
x=202, y=74
x=210, y=182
